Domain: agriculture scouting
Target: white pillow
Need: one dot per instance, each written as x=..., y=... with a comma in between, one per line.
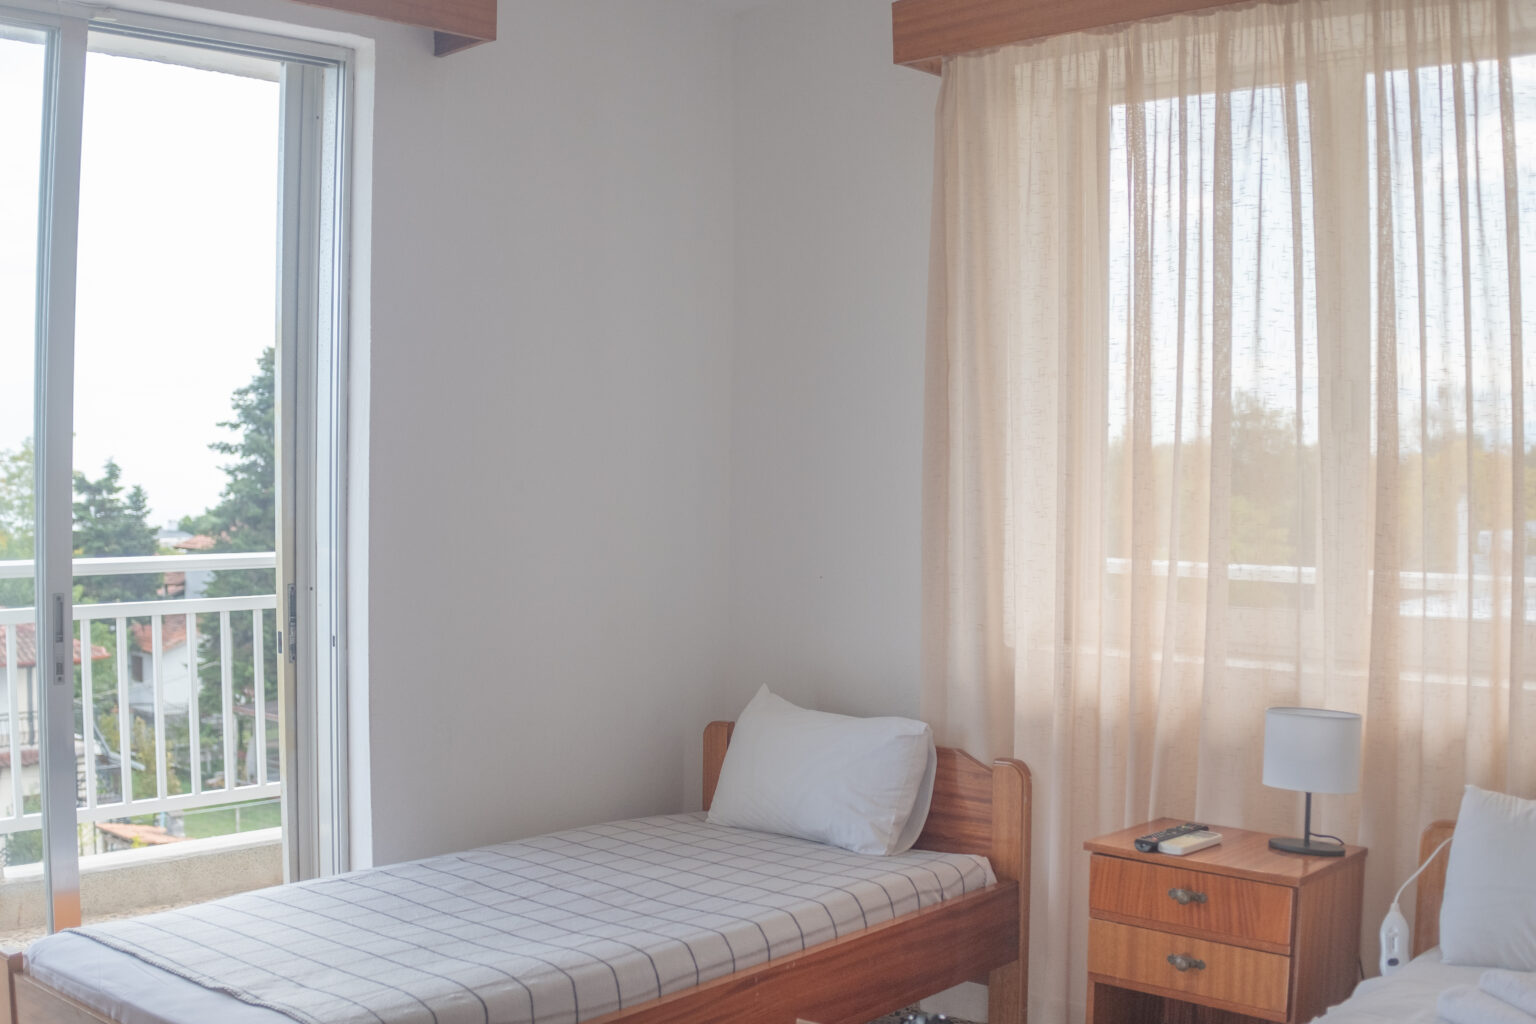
x=1488, y=915
x=860, y=783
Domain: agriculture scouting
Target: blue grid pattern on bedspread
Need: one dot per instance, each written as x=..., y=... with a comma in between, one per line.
x=550, y=930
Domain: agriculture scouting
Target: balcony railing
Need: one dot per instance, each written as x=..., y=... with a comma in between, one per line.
x=1458, y=596
x=203, y=675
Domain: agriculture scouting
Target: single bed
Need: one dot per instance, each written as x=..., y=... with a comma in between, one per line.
x=887, y=940
x=1409, y=996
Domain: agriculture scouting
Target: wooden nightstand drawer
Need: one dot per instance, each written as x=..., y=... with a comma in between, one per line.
x=1219, y=907
x=1243, y=979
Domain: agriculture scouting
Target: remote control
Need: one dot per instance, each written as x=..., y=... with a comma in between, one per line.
x=1148, y=843
x=1178, y=846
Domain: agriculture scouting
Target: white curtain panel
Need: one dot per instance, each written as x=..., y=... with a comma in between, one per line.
x=1230, y=405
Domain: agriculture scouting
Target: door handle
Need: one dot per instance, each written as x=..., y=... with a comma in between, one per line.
x=60, y=653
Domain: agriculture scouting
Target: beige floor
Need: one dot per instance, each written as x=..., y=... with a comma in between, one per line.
x=902, y=1016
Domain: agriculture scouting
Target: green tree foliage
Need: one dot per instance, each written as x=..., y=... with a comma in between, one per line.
x=245, y=519
x=1454, y=490
x=109, y=522
x=16, y=516
x=1273, y=477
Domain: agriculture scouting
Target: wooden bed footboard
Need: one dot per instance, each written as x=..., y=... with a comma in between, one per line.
x=982, y=936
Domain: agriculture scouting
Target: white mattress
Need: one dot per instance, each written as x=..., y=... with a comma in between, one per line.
x=550, y=930
x=1407, y=997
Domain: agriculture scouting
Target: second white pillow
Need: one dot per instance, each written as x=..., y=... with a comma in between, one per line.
x=1488, y=914
x=863, y=784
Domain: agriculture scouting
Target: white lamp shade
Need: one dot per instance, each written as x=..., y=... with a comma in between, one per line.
x=1312, y=750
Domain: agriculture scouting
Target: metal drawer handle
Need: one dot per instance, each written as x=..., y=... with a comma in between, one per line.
x=1183, y=897
x=1182, y=962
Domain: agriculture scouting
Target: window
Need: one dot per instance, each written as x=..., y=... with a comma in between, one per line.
x=188, y=176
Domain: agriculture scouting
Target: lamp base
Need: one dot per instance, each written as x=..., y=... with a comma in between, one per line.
x=1298, y=845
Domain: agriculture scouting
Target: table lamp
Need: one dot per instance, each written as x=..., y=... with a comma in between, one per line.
x=1311, y=750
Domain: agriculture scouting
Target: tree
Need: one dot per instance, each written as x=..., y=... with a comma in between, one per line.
x=16, y=515
x=245, y=519
x=107, y=522
x=1272, y=504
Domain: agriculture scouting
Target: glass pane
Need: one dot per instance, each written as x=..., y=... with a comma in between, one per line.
x=173, y=458
x=22, y=57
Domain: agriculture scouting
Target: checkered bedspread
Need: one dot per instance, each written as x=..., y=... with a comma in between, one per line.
x=551, y=930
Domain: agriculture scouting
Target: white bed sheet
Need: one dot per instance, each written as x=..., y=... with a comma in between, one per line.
x=1407, y=997
x=749, y=896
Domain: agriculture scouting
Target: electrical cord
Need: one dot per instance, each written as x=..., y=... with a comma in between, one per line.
x=1395, y=935
x=1427, y=861
x=1324, y=835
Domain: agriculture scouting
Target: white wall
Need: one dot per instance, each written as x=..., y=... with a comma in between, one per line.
x=645, y=382
x=548, y=410
x=551, y=373
x=834, y=176
x=834, y=152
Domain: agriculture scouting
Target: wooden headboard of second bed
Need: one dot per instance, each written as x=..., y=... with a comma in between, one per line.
x=1426, y=907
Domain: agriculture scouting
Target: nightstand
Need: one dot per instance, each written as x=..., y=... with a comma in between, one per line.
x=1231, y=934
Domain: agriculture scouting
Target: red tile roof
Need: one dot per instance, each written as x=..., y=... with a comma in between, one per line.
x=201, y=542
x=26, y=646
x=174, y=585
x=29, y=757
x=173, y=633
x=143, y=835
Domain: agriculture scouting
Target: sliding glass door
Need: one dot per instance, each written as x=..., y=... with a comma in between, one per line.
x=24, y=75
x=171, y=216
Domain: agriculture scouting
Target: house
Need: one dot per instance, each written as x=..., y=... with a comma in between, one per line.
x=175, y=666
x=18, y=741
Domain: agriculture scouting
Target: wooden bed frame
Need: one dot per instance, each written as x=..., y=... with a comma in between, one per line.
x=1426, y=905
x=981, y=936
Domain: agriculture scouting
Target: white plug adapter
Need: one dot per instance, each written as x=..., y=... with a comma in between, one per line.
x=1394, y=940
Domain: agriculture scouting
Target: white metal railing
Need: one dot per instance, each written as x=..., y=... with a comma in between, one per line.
x=129, y=565
x=94, y=747
x=1434, y=595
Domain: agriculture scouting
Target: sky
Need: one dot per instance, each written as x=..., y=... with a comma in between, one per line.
x=176, y=291
x=1262, y=318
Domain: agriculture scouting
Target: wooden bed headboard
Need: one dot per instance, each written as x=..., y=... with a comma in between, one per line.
x=977, y=809
x=1426, y=906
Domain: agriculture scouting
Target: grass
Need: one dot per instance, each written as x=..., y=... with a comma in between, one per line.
x=220, y=821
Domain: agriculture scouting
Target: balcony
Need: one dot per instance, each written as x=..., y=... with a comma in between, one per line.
x=168, y=813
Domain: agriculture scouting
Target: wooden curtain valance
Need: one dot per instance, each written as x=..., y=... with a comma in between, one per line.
x=455, y=24
x=926, y=31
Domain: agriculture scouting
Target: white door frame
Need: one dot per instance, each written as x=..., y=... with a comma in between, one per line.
x=311, y=410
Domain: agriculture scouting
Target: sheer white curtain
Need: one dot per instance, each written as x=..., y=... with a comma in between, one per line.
x=1228, y=396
